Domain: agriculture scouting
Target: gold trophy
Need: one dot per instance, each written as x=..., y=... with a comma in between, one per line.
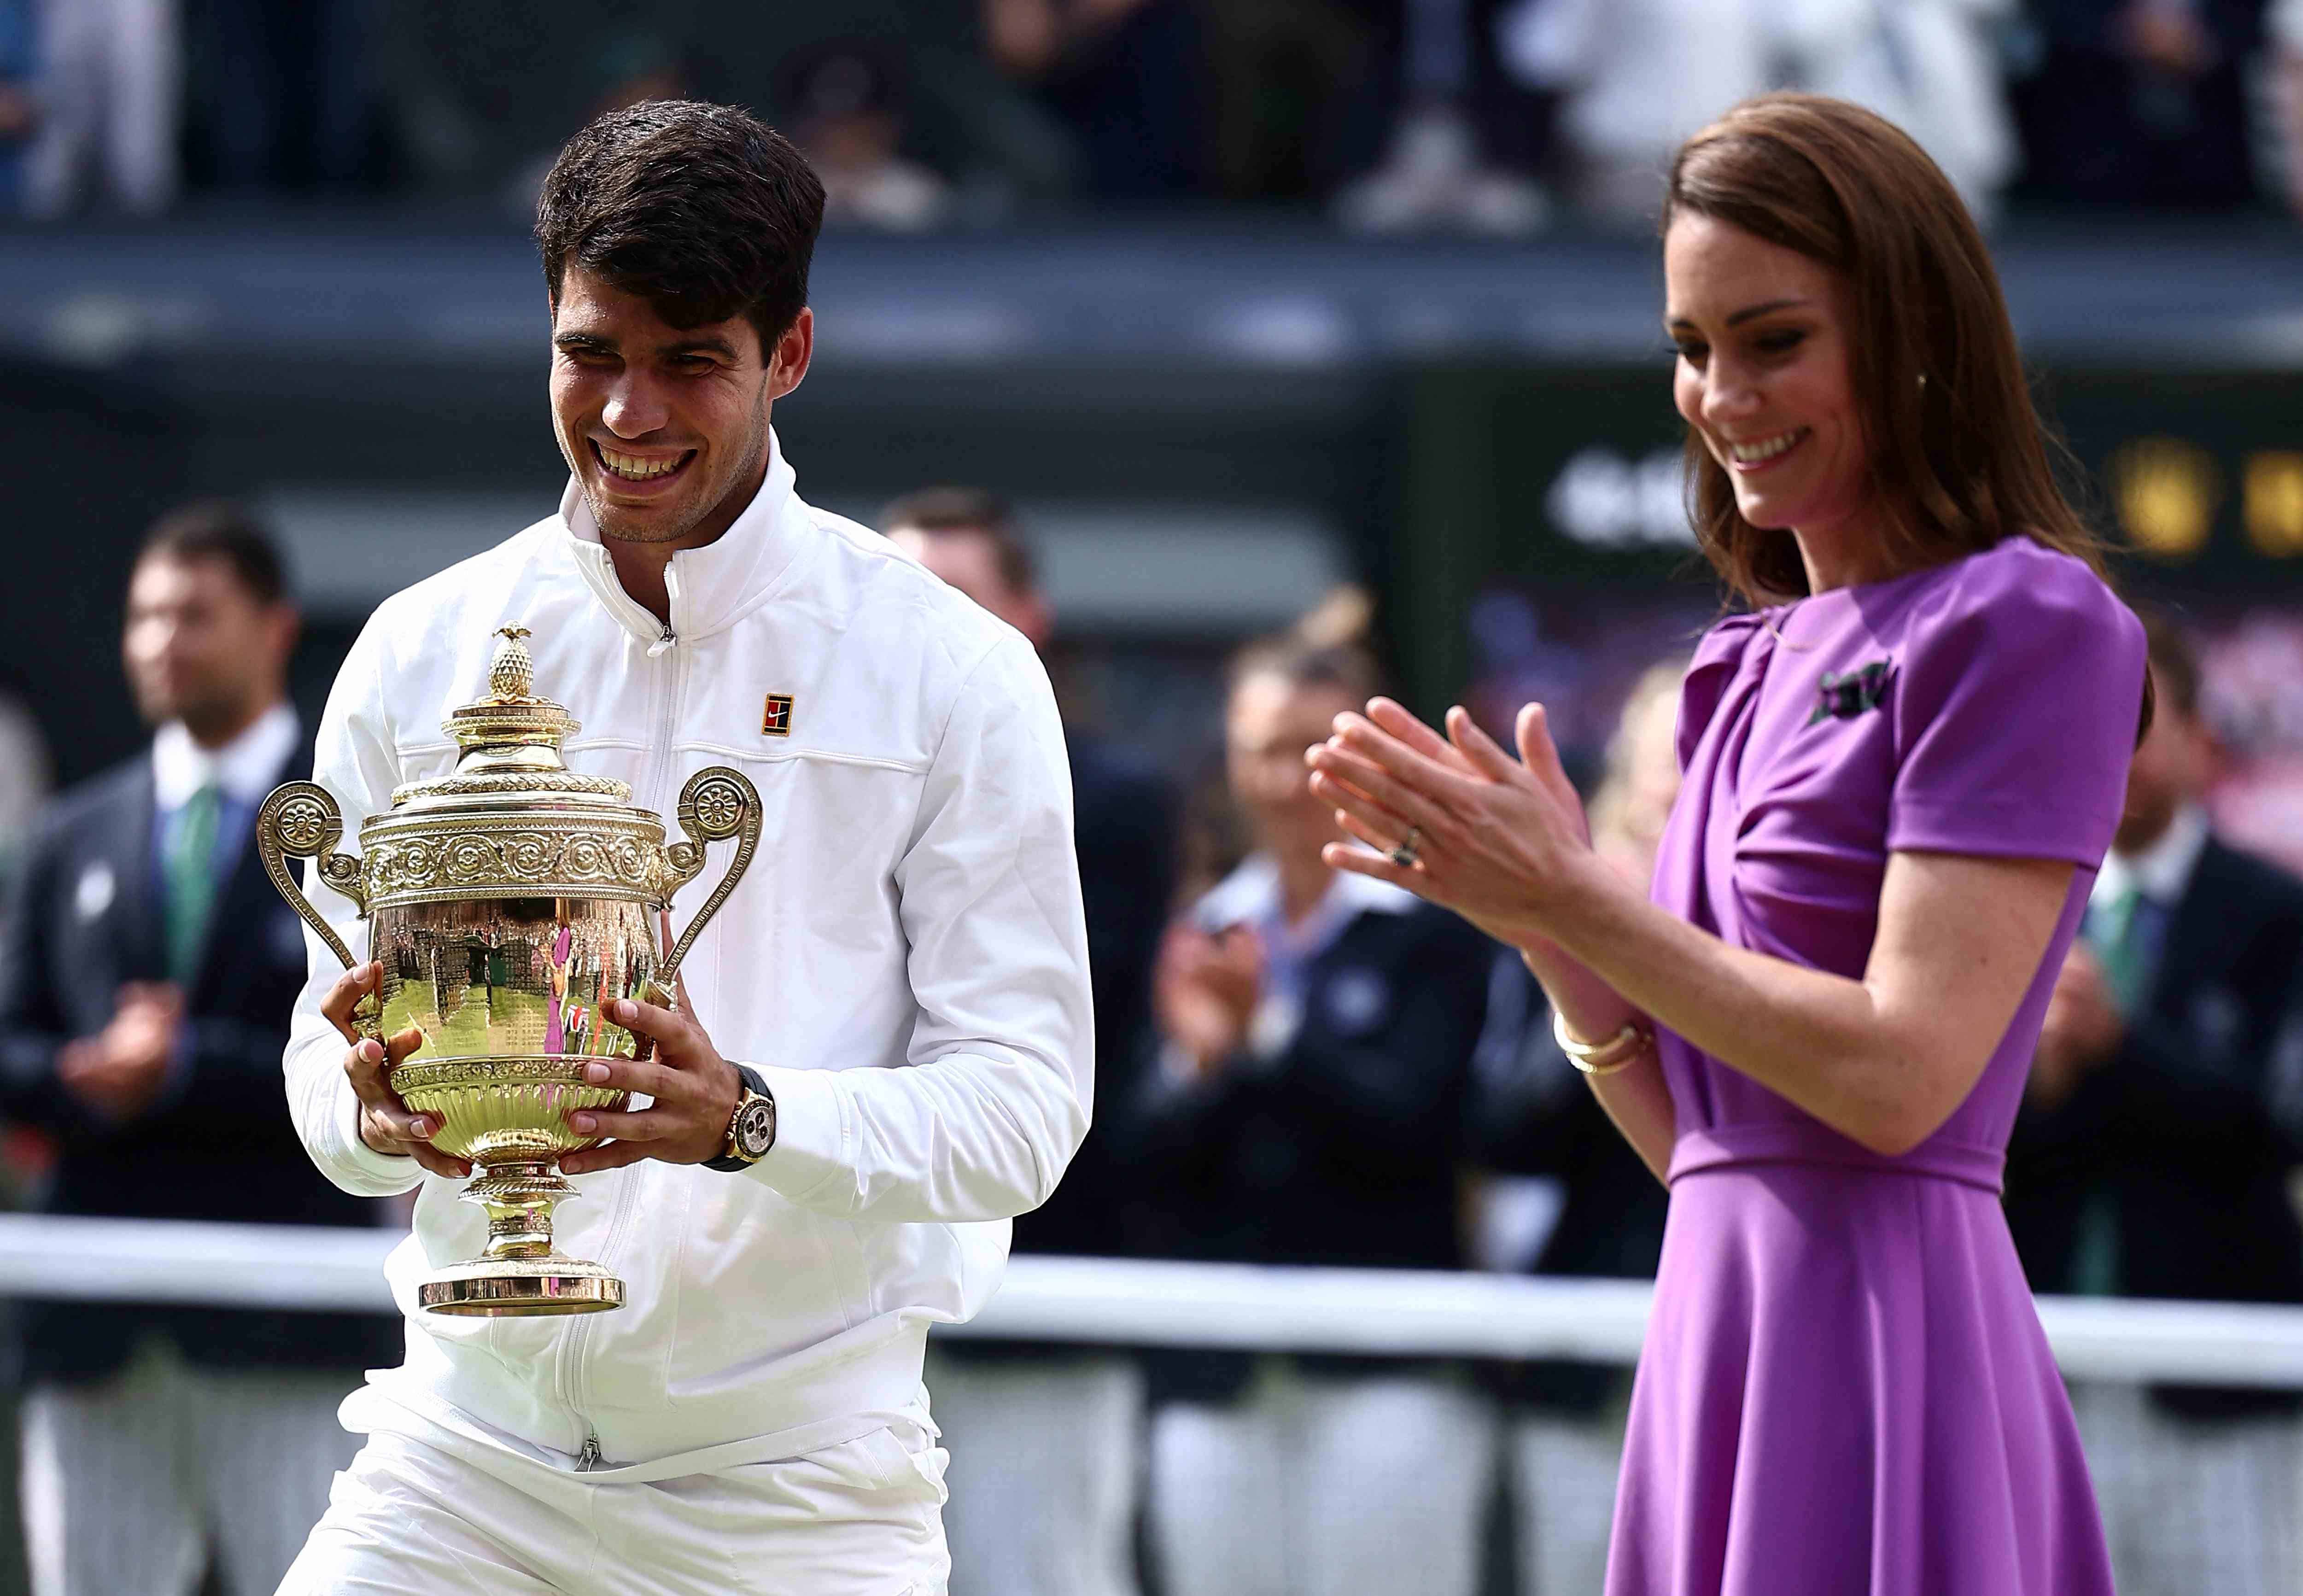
x=509, y=901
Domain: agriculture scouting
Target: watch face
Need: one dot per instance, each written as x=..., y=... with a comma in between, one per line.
x=754, y=1130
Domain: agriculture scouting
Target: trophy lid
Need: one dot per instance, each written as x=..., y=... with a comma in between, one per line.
x=509, y=742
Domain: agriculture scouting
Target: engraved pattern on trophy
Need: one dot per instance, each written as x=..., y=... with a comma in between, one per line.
x=507, y=902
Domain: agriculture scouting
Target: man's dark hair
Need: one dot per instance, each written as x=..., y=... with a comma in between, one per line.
x=970, y=510
x=219, y=530
x=2174, y=659
x=704, y=211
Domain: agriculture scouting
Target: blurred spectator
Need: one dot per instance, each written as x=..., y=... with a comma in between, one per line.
x=1045, y=1437
x=2141, y=101
x=2284, y=22
x=294, y=90
x=147, y=970
x=1639, y=76
x=19, y=114
x=110, y=91
x=24, y=775
x=1532, y=1115
x=1439, y=168
x=1126, y=75
x=843, y=102
x=629, y=68
x=1307, y=1107
x=2164, y=1114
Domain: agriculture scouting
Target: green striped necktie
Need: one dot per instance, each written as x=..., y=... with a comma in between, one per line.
x=190, y=871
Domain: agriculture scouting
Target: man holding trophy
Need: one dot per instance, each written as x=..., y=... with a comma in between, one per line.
x=795, y=1134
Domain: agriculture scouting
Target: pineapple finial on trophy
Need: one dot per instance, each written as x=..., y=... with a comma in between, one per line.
x=512, y=673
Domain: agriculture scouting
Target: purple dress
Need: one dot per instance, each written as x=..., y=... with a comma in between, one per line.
x=1845, y=1387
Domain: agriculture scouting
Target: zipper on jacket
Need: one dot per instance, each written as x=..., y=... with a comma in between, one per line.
x=589, y=1457
x=574, y=1388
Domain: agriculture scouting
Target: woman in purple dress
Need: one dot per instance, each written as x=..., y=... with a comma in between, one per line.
x=1902, y=764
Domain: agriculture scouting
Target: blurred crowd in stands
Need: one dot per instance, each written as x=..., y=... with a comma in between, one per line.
x=1295, y=1066
x=1486, y=116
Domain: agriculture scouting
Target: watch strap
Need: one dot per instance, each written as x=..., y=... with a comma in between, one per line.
x=753, y=1085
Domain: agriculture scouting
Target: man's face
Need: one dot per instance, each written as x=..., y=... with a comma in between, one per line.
x=200, y=648
x=969, y=561
x=666, y=429
x=2173, y=766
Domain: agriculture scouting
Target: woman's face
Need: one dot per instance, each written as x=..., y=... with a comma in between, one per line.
x=1267, y=725
x=1762, y=375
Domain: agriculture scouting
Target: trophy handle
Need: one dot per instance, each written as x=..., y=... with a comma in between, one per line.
x=716, y=803
x=299, y=821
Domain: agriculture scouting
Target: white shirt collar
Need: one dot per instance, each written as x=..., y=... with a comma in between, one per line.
x=246, y=768
x=1252, y=892
x=2162, y=871
x=712, y=587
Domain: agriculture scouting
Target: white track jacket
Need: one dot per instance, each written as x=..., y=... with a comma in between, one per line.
x=905, y=963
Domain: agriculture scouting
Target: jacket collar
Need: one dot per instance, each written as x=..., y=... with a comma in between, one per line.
x=715, y=586
x=1252, y=893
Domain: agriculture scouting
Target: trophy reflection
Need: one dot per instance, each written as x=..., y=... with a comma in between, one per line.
x=507, y=902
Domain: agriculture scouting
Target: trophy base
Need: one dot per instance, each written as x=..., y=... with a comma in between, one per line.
x=512, y=1287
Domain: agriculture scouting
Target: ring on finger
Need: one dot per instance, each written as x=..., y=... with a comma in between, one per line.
x=1405, y=855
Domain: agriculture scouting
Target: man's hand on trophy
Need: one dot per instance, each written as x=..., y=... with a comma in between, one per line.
x=385, y=1125
x=695, y=1091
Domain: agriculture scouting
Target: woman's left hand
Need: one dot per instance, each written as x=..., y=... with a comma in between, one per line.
x=1500, y=842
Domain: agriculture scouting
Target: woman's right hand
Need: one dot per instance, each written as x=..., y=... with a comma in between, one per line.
x=1205, y=990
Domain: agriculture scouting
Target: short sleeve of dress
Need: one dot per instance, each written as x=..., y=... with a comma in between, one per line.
x=2016, y=704
x=1713, y=667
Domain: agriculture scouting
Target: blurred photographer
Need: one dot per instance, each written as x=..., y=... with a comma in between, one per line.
x=146, y=971
x=2164, y=1113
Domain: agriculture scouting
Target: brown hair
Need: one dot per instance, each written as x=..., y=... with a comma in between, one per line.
x=976, y=510
x=1959, y=457
x=704, y=211
x=220, y=529
x=1326, y=647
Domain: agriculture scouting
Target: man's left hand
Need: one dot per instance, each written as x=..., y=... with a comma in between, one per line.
x=695, y=1091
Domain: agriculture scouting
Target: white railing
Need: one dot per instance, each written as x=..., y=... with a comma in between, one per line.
x=1147, y=1303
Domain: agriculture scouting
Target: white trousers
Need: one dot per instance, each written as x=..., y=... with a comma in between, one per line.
x=1324, y=1486
x=111, y=82
x=1043, y=1473
x=429, y=1511
x=1563, y=1476
x=127, y=1483
x=2193, y=1507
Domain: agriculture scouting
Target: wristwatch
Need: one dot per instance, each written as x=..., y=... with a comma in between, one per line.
x=752, y=1128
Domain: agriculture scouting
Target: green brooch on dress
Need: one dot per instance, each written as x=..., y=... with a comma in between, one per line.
x=1842, y=694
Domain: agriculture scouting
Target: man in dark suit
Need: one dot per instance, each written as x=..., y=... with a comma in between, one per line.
x=1045, y=1504
x=2164, y=1113
x=146, y=971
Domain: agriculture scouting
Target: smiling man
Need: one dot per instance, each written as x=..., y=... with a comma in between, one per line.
x=883, y=1050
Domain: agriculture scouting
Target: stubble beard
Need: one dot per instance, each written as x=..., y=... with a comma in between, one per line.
x=605, y=516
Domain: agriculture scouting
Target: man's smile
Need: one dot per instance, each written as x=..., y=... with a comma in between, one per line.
x=626, y=466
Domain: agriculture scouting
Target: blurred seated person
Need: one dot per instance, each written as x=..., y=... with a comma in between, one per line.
x=2141, y=101
x=1307, y=1107
x=1532, y=1115
x=146, y=971
x=19, y=109
x=1047, y=1435
x=842, y=102
x=1125, y=75
x=2163, y=1115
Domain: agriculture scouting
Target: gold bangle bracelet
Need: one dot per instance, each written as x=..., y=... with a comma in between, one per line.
x=1619, y=1051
